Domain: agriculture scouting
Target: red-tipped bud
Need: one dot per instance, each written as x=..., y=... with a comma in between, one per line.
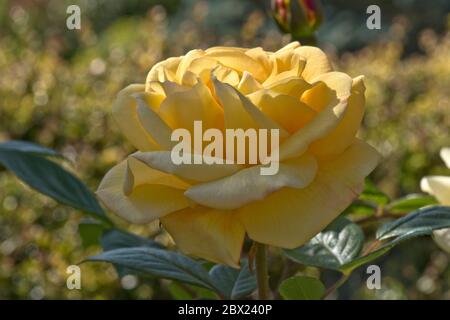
x=297, y=17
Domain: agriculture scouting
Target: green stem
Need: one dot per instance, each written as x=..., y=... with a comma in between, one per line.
x=310, y=40
x=343, y=279
x=262, y=276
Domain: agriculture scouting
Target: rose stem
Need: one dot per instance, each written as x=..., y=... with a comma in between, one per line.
x=344, y=277
x=262, y=276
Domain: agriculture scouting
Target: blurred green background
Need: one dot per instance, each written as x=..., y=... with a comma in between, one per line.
x=57, y=87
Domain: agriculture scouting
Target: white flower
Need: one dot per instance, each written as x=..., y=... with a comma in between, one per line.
x=439, y=187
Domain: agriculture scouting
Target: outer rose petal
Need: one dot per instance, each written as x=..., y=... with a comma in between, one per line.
x=152, y=123
x=438, y=186
x=317, y=128
x=290, y=217
x=125, y=114
x=342, y=136
x=164, y=70
x=161, y=160
x=249, y=185
x=339, y=82
x=140, y=194
x=317, y=62
x=207, y=233
x=186, y=62
x=166, y=88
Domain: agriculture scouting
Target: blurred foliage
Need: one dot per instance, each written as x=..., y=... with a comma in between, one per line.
x=57, y=87
x=345, y=21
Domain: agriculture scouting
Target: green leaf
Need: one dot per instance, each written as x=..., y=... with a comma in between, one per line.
x=234, y=283
x=411, y=202
x=372, y=193
x=49, y=178
x=178, y=292
x=420, y=222
x=159, y=263
x=28, y=147
x=360, y=208
x=302, y=288
x=204, y=294
x=90, y=232
x=358, y=262
x=337, y=245
x=116, y=239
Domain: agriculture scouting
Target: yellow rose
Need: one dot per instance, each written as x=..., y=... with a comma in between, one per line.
x=208, y=209
x=439, y=186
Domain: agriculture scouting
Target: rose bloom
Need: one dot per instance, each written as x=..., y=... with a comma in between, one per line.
x=439, y=186
x=208, y=209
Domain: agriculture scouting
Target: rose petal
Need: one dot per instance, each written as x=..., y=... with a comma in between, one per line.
x=317, y=128
x=249, y=185
x=339, y=82
x=240, y=112
x=181, y=109
x=284, y=65
x=290, y=217
x=248, y=84
x=258, y=54
x=325, y=122
x=125, y=114
x=225, y=49
x=226, y=75
x=202, y=67
x=186, y=62
x=318, y=96
x=152, y=123
x=164, y=70
x=162, y=161
x=140, y=194
x=238, y=61
x=342, y=136
x=207, y=233
x=289, y=112
x=167, y=88
x=292, y=86
x=317, y=62
x=290, y=46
